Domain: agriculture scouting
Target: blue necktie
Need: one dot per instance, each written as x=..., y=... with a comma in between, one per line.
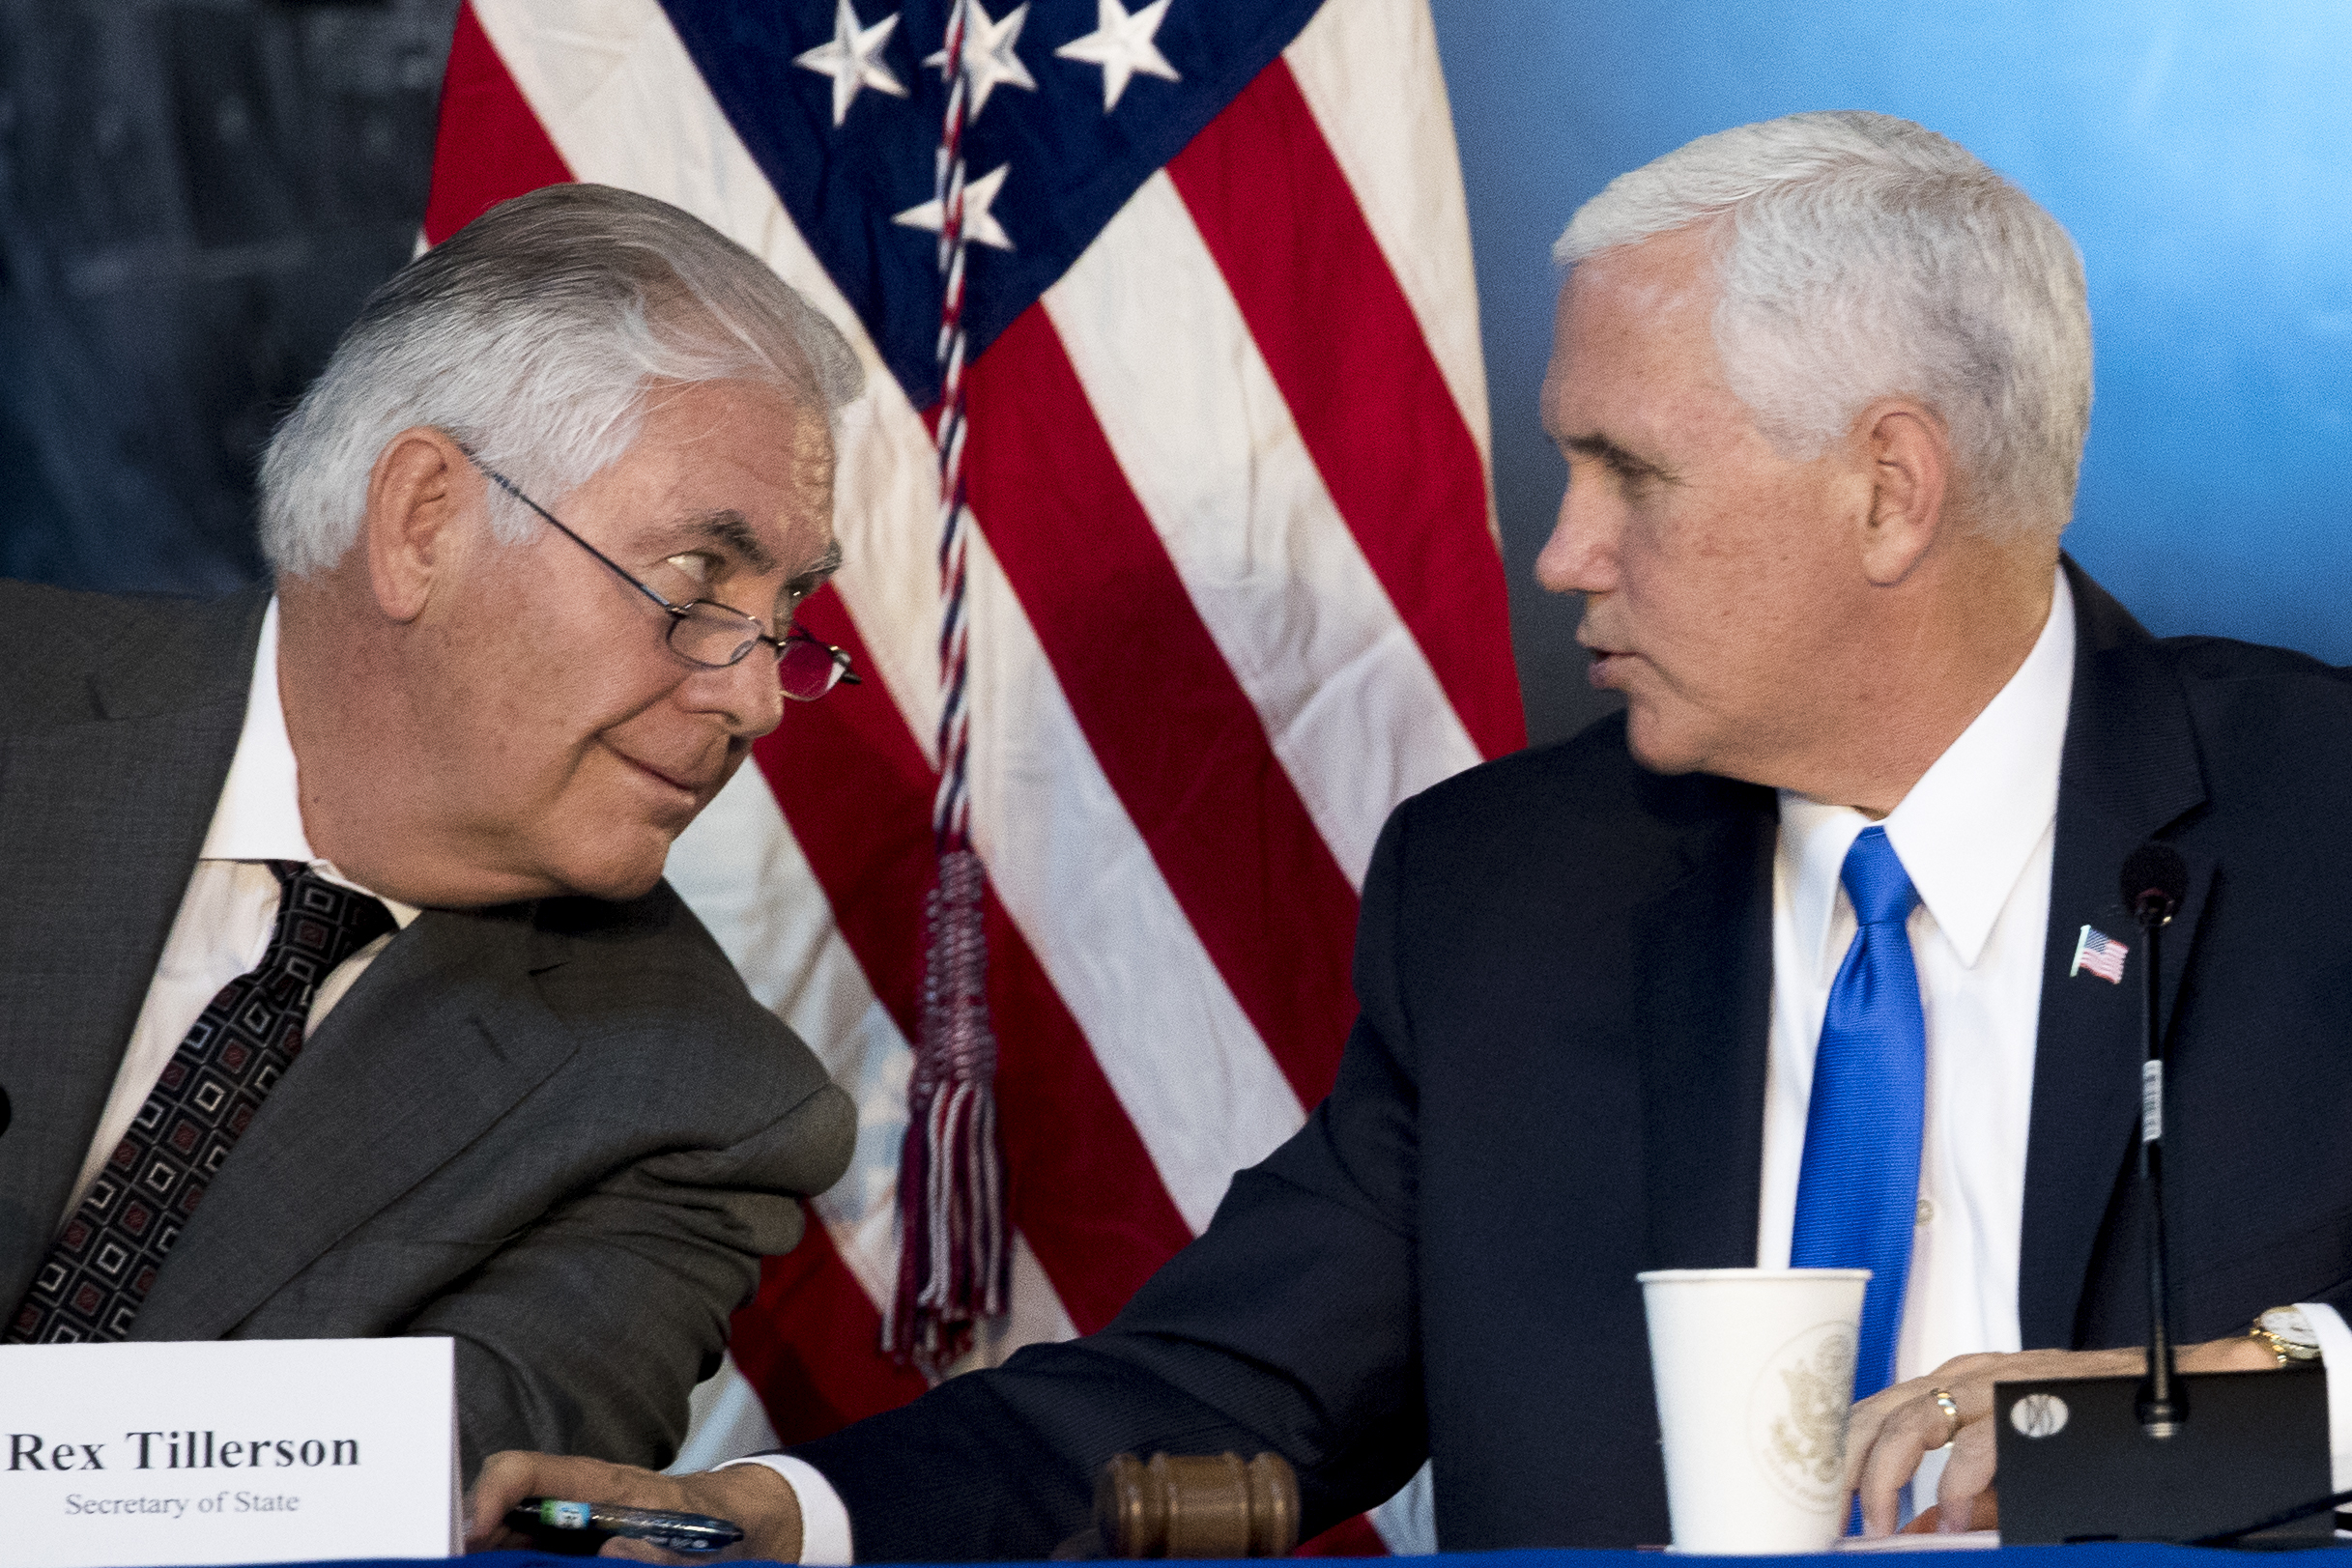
x=1857, y=1192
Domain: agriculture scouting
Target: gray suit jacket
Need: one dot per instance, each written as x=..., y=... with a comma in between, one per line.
x=560, y=1133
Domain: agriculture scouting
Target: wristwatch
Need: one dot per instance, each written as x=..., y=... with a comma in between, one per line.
x=2287, y=1335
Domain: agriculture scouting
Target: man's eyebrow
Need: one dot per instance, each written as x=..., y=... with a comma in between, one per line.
x=1619, y=459
x=808, y=582
x=732, y=532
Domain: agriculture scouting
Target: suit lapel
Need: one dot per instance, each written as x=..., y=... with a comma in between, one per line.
x=437, y=1042
x=99, y=826
x=1704, y=952
x=2130, y=770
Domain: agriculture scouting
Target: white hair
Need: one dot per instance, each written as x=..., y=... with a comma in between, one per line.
x=530, y=337
x=1861, y=256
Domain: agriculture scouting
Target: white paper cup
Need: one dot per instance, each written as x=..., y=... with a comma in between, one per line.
x=1754, y=1370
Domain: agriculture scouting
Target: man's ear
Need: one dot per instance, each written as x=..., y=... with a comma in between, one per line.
x=1910, y=457
x=419, y=496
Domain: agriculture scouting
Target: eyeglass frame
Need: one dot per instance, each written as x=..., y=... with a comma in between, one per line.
x=678, y=614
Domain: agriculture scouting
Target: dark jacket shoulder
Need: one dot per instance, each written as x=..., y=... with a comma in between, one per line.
x=67, y=657
x=2274, y=732
x=2224, y=662
x=630, y=965
x=641, y=979
x=1581, y=802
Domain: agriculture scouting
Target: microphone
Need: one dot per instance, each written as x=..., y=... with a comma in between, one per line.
x=2154, y=880
x=2117, y=1459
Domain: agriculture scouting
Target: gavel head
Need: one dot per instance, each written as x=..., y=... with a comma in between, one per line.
x=1215, y=1506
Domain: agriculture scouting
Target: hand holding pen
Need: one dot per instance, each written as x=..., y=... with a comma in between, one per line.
x=526, y=1499
x=687, y=1534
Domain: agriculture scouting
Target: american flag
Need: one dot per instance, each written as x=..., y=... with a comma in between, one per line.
x=2100, y=953
x=1234, y=589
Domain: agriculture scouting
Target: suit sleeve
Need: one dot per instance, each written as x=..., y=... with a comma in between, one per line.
x=588, y=1329
x=1290, y=1325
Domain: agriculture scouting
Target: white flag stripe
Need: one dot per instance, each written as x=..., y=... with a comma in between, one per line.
x=1369, y=70
x=725, y=1420
x=1201, y=430
x=1037, y=1318
x=1203, y=1092
x=739, y=869
x=617, y=92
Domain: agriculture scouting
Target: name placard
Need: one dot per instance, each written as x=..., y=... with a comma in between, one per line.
x=228, y=1451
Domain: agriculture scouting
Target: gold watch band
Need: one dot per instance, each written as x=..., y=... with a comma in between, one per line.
x=2287, y=1350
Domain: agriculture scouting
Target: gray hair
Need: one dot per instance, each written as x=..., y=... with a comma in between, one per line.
x=1861, y=256
x=531, y=336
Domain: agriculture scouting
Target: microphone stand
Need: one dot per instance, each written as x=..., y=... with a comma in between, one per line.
x=2163, y=1403
x=2075, y=1457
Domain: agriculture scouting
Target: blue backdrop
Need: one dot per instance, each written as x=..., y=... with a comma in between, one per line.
x=2201, y=151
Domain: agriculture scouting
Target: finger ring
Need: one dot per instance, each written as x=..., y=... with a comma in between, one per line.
x=1951, y=1414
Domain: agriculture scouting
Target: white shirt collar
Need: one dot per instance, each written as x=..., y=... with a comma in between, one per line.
x=260, y=814
x=1969, y=827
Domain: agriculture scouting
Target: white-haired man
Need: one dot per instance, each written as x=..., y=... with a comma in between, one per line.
x=340, y=991
x=1773, y=969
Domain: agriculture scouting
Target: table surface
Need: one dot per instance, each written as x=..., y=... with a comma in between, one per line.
x=2101, y=1556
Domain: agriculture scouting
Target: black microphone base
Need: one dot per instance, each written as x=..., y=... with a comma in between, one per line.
x=2075, y=1465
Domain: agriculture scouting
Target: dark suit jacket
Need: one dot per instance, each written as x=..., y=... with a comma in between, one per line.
x=562, y=1132
x=1564, y=964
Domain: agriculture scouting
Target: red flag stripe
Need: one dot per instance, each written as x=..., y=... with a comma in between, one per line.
x=857, y=794
x=1368, y=398
x=1189, y=409
x=1092, y=1206
x=490, y=146
x=806, y=1343
x=1172, y=727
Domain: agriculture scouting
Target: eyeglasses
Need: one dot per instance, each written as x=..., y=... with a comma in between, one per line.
x=715, y=636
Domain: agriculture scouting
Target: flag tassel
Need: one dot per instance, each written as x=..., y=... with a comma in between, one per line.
x=954, y=1264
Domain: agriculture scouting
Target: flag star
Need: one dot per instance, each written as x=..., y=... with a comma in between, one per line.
x=1122, y=45
x=980, y=225
x=853, y=59
x=988, y=54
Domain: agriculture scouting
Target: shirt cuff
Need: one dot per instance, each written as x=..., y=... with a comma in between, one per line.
x=2334, y=1355
x=825, y=1522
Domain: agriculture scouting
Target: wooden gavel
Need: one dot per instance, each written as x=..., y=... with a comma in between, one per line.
x=1180, y=1505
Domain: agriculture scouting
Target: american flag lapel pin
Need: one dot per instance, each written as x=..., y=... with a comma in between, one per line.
x=2100, y=953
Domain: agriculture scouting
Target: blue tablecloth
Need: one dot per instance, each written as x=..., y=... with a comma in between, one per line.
x=2104, y=1556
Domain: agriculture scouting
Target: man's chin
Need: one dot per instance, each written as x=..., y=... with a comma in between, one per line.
x=621, y=872
x=1658, y=748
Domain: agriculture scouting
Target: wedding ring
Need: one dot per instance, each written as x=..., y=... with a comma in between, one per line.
x=1951, y=1414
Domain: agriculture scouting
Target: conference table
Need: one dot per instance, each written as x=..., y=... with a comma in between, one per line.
x=2101, y=1556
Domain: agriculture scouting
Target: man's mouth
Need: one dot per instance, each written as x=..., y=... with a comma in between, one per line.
x=683, y=783
x=1607, y=662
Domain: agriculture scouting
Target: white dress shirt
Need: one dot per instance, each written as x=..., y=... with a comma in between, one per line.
x=229, y=909
x=1977, y=834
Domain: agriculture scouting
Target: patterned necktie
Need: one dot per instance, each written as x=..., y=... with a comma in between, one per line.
x=103, y=1263
x=1858, y=1191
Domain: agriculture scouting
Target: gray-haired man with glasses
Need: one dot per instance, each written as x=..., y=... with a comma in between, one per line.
x=340, y=993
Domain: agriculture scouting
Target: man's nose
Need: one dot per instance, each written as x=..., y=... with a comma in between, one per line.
x=1581, y=554
x=744, y=695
